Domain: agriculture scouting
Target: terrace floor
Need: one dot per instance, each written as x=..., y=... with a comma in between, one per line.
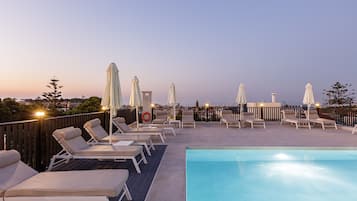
x=169, y=182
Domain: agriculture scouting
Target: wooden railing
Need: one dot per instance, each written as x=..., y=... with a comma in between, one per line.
x=33, y=138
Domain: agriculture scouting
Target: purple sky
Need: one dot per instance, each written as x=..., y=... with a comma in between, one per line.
x=205, y=47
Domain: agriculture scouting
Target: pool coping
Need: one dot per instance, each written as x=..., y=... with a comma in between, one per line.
x=194, y=147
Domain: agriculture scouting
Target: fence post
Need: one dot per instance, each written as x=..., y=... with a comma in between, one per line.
x=4, y=141
x=40, y=162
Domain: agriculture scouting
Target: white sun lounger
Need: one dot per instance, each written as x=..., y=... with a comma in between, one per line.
x=187, y=119
x=99, y=135
x=354, y=130
x=228, y=119
x=325, y=123
x=248, y=117
x=124, y=129
x=19, y=182
x=290, y=118
x=75, y=147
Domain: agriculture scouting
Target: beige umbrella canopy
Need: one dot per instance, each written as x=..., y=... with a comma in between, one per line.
x=172, y=98
x=241, y=98
x=135, y=98
x=308, y=98
x=112, y=94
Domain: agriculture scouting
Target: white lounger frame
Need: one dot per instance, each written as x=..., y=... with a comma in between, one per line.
x=161, y=135
x=298, y=124
x=64, y=156
x=255, y=122
x=147, y=147
x=324, y=124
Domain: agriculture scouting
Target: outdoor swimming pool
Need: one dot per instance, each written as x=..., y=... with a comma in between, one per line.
x=276, y=174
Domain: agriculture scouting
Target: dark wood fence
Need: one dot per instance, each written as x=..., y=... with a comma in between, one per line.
x=33, y=138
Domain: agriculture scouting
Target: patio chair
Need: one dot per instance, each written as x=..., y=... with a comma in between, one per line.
x=249, y=118
x=289, y=116
x=75, y=147
x=124, y=129
x=354, y=130
x=228, y=119
x=19, y=182
x=187, y=119
x=325, y=123
x=99, y=135
x=161, y=117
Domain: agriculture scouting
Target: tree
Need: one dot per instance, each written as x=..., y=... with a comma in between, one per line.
x=54, y=96
x=92, y=104
x=10, y=110
x=340, y=94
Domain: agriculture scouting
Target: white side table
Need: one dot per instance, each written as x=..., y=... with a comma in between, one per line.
x=171, y=121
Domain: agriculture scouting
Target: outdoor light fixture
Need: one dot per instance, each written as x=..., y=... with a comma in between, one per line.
x=207, y=105
x=152, y=105
x=104, y=108
x=261, y=104
x=40, y=114
x=317, y=104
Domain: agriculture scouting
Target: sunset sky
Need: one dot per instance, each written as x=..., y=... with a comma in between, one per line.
x=205, y=47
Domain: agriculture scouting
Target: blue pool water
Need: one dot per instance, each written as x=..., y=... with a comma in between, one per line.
x=271, y=175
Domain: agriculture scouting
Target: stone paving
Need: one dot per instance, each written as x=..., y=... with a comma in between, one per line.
x=169, y=183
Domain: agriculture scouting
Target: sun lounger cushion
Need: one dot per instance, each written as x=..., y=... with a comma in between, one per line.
x=9, y=158
x=12, y=170
x=109, y=150
x=72, y=183
x=71, y=139
x=136, y=138
x=95, y=128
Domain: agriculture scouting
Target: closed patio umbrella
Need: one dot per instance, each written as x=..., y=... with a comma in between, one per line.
x=135, y=98
x=241, y=99
x=112, y=95
x=308, y=98
x=172, y=98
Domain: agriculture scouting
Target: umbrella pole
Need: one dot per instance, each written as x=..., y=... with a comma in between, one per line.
x=241, y=112
x=174, y=111
x=110, y=125
x=137, y=117
x=308, y=112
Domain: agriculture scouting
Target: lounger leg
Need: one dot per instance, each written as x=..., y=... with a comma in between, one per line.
x=127, y=193
x=51, y=163
x=136, y=165
x=309, y=125
x=147, y=149
x=296, y=125
x=264, y=124
x=173, y=131
x=162, y=138
x=143, y=157
x=323, y=126
x=335, y=126
x=251, y=125
x=152, y=145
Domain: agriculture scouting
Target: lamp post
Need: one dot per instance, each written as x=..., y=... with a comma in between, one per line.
x=207, y=106
x=152, y=111
x=39, y=115
x=261, y=105
x=106, y=118
x=317, y=106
